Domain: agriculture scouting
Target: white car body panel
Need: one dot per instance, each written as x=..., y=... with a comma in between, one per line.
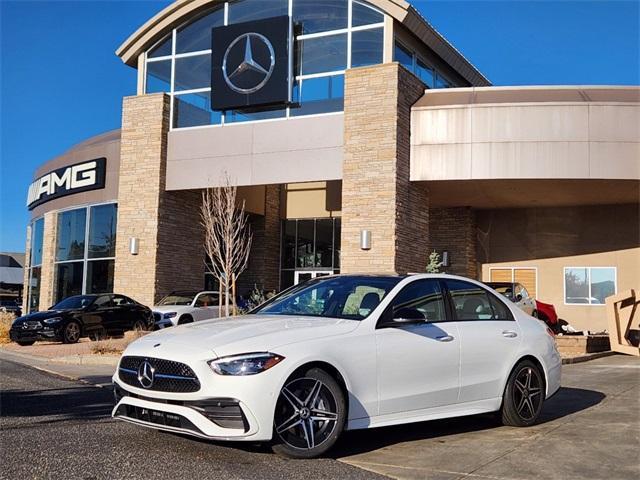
x=195, y=312
x=392, y=376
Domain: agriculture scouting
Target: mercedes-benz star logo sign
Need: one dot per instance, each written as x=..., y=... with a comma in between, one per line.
x=250, y=75
x=146, y=374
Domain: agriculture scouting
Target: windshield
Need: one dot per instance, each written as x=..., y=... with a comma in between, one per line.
x=178, y=298
x=349, y=297
x=79, y=301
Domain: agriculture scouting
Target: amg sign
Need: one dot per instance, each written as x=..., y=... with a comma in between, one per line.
x=77, y=178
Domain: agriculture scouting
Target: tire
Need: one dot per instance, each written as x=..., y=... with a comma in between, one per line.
x=25, y=343
x=297, y=432
x=71, y=332
x=523, y=395
x=184, y=319
x=139, y=326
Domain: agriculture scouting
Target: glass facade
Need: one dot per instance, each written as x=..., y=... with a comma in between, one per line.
x=333, y=35
x=35, y=265
x=85, y=251
x=412, y=61
x=309, y=245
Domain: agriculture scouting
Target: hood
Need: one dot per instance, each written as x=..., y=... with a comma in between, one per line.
x=249, y=333
x=170, y=308
x=42, y=315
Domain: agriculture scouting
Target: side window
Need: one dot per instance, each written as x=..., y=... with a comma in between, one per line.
x=206, y=300
x=500, y=310
x=120, y=300
x=103, y=301
x=470, y=301
x=421, y=299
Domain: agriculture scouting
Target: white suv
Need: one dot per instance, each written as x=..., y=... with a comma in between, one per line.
x=182, y=307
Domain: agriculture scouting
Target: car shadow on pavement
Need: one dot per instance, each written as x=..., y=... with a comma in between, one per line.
x=71, y=403
x=567, y=401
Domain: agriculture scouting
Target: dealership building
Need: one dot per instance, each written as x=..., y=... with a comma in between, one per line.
x=361, y=140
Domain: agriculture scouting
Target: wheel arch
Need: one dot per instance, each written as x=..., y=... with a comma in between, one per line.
x=536, y=361
x=332, y=370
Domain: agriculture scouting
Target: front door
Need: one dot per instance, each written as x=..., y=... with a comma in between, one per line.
x=489, y=340
x=418, y=364
x=304, y=275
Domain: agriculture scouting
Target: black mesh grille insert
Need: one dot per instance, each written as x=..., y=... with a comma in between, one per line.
x=168, y=376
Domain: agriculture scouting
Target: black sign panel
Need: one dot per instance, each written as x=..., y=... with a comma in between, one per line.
x=81, y=177
x=250, y=65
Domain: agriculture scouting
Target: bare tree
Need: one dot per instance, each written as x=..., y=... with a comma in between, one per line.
x=228, y=236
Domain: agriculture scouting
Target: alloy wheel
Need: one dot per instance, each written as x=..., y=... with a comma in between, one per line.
x=306, y=413
x=528, y=393
x=72, y=332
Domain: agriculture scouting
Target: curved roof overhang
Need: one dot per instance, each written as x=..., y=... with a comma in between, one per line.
x=176, y=14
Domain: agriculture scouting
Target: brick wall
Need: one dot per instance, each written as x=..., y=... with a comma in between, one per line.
x=454, y=230
x=47, y=275
x=376, y=192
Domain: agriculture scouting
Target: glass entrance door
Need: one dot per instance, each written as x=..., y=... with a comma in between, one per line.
x=304, y=275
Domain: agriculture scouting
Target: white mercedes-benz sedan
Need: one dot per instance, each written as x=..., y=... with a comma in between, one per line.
x=342, y=353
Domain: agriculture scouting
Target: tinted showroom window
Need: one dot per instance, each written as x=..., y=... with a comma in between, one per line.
x=85, y=250
x=325, y=37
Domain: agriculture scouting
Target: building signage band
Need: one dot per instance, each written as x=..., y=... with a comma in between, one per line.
x=77, y=178
x=251, y=64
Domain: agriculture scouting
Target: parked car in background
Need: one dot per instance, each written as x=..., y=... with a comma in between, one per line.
x=94, y=316
x=339, y=353
x=518, y=294
x=11, y=306
x=182, y=307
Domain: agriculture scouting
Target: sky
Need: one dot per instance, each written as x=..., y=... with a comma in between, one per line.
x=61, y=82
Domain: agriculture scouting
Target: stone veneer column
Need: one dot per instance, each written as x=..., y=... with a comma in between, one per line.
x=376, y=192
x=27, y=264
x=454, y=230
x=166, y=224
x=47, y=274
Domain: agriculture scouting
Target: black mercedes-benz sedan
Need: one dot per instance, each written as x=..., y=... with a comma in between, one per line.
x=94, y=316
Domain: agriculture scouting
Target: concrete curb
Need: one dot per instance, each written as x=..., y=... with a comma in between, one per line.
x=586, y=357
x=111, y=360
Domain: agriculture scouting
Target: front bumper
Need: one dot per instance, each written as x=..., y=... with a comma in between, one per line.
x=249, y=404
x=24, y=335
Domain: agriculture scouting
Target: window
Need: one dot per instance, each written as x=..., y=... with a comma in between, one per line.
x=589, y=285
x=412, y=62
x=472, y=302
x=421, y=299
x=119, y=300
x=327, y=45
x=35, y=269
x=207, y=300
x=309, y=244
x=85, y=251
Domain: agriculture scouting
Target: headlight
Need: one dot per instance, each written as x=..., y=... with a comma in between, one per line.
x=169, y=314
x=50, y=321
x=247, y=364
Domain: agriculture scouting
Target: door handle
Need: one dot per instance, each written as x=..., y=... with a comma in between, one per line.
x=509, y=334
x=444, y=338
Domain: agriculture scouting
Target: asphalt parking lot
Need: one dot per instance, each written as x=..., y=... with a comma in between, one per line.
x=52, y=427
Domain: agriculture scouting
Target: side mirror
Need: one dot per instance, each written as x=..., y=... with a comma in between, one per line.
x=404, y=316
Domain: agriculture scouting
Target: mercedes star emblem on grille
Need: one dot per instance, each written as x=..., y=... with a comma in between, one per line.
x=146, y=374
x=248, y=64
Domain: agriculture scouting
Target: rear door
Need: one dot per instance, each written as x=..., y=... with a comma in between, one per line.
x=489, y=339
x=418, y=364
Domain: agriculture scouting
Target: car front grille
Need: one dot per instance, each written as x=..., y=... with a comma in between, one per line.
x=168, y=376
